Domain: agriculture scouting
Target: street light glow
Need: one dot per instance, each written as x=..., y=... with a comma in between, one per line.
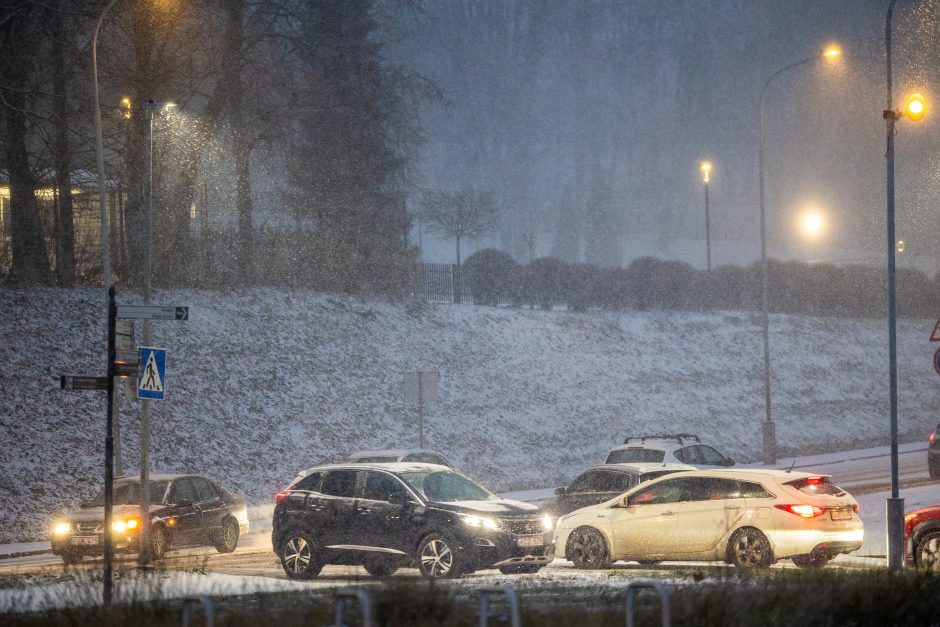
x=915, y=107
x=832, y=52
x=812, y=223
x=706, y=169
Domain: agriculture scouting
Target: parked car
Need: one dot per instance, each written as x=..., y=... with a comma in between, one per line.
x=682, y=448
x=922, y=538
x=603, y=483
x=387, y=515
x=749, y=518
x=185, y=510
x=421, y=455
x=933, y=453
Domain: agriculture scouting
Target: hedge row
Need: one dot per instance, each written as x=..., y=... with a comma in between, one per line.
x=853, y=291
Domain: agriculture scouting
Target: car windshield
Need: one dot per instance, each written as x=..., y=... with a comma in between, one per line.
x=446, y=487
x=129, y=494
x=635, y=455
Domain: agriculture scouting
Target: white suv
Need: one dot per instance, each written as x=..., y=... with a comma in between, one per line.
x=682, y=448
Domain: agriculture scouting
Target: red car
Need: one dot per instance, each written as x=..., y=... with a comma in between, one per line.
x=922, y=538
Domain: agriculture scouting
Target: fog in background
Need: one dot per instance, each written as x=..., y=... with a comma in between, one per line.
x=588, y=120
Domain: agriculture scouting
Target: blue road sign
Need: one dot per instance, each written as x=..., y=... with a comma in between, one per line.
x=151, y=377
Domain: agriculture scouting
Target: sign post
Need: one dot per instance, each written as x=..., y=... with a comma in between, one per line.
x=420, y=388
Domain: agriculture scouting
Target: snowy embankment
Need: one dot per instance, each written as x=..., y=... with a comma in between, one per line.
x=262, y=383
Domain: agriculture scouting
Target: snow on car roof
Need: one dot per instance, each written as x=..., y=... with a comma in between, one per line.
x=648, y=466
x=390, y=466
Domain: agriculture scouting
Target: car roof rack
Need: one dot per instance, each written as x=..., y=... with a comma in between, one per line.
x=680, y=438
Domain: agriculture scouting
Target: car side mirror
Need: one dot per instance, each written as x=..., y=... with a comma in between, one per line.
x=86, y=504
x=184, y=503
x=730, y=462
x=625, y=502
x=559, y=491
x=398, y=499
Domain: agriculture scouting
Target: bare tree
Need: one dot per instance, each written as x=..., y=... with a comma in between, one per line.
x=464, y=214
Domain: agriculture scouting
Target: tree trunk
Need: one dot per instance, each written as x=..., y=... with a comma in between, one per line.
x=241, y=146
x=65, y=227
x=30, y=260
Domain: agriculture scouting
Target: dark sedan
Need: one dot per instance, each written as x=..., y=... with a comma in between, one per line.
x=185, y=510
x=603, y=483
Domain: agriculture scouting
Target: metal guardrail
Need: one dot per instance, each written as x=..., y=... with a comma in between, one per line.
x=664, y=607
x=190, y=602
x=515, y=615
x=365, y=606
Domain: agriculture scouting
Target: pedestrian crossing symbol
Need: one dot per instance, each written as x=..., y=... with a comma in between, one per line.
x=152, y=373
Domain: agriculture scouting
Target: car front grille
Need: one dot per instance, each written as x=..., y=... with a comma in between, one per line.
x=89, y=527
x=522, y=526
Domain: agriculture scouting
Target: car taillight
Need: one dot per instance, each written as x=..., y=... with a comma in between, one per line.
x=280, y=496
x=933, y=436
x=806, y=511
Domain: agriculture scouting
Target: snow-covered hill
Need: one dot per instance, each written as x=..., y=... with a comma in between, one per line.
x=262, y=383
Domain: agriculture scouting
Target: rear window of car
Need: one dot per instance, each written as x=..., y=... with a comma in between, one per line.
x=817, y=485
x=635, y=455
x=751, y=490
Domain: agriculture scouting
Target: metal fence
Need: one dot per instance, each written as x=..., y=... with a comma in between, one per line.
x=437, y=281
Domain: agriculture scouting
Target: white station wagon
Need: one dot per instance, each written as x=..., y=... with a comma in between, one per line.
x=749, y=518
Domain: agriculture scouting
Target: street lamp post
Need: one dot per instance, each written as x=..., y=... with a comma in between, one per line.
x=143, y=556
x=769, y=431
x=914, y=109
x=104, y=243
x=706, y=169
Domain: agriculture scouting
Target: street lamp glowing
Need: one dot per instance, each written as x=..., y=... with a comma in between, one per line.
x=832, y=52
x=812, y=223
x=706, y=169
x=914, y=108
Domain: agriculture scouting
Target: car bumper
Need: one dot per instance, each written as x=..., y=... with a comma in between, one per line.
x=490, y=550
x=71, y=544
x=805, y=541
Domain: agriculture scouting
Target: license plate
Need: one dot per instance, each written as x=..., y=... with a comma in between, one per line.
x=841, y=514
x=530, y=541
x=83, y=540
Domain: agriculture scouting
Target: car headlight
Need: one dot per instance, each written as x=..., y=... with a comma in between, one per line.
x=548, y=523
x=479, y=521
x=61, y=528
x=121, y=526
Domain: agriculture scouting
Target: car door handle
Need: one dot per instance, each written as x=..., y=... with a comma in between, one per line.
x=364, y=510
x=732, y=507
x=669, y=513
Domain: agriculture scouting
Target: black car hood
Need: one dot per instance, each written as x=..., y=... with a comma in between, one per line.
x=96, y=514
x=502, y=507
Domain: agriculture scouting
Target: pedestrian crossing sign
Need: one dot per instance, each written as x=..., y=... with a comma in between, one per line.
x=151, y=375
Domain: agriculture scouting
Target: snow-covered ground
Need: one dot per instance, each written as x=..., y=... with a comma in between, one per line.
x=262, y=383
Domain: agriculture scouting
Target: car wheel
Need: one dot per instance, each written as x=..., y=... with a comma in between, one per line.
x=588, y=549
x=438, y=557
x=524, y=569
x=927, y=554
x=228, y=539
x=380, y=568
x=749, y=548
x=301, y=555
x=159, y=542
x=72, y=557
x=811, y=561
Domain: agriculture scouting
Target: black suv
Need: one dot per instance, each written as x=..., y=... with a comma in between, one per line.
x=185, y=510
x=385, y=516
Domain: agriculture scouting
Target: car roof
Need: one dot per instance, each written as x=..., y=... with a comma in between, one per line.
x=752, y=473
x=642, y=467
x=390, y=452
x=157, y=477
x=656, y=445
x=389, y=466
